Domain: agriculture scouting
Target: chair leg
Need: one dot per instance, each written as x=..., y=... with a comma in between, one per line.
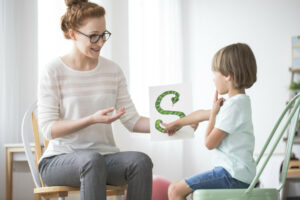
x=37, y=197
x=285, y=190
x=114, y=197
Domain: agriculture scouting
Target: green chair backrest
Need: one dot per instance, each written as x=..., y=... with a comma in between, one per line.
x=292, y=113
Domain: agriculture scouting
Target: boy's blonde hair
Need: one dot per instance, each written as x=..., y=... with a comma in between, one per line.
x=238, y=61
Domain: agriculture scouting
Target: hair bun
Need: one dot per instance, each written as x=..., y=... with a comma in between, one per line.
x=70, y=3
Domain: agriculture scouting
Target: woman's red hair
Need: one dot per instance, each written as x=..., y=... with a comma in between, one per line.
x=77, y=12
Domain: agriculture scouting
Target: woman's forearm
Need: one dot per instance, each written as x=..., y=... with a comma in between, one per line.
x=142, y=125
x=65, y=127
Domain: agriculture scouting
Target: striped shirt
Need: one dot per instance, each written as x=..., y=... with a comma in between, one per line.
x=68, y=94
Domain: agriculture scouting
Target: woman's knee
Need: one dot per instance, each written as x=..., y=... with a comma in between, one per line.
x=91, y=160
x=142, y=161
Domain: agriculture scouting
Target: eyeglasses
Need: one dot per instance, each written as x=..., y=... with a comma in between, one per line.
x=94, y=38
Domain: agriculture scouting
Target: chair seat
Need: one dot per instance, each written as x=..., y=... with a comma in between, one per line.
x=110, y=190
x=236, y=194
x=115, y=190
x=52, y=189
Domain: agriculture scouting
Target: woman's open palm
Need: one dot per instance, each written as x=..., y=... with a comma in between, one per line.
x=103, y=116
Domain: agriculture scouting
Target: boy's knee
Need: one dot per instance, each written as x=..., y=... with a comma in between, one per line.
x=174, y=191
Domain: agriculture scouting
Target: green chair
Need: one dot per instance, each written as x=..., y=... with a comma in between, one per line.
x=292, y=113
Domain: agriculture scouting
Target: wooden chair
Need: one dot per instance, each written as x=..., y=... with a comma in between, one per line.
x=252, y=193
x=29, y=126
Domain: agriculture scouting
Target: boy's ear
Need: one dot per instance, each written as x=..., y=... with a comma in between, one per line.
x=228, y=78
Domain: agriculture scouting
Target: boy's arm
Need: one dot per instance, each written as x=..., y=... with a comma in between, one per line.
x=193, y=118
x=213, y=136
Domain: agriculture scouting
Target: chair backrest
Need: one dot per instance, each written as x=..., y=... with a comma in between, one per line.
x=29, y=126
x=291, y=112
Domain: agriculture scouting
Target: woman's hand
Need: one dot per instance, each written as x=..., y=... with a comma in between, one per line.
x=65, y=127
x=103, y=116
x=218, y=102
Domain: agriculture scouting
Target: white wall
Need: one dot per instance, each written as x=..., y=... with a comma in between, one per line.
x=267, y=26
x=164, y=156
x=20, y=71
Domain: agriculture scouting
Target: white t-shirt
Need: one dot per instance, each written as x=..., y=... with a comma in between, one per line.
x=235, y=153
x=68, y=94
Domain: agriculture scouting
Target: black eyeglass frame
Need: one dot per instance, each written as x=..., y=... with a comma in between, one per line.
x=98, y=35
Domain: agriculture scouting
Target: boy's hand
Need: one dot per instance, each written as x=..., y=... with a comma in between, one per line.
x=194, y=126
x=171, y=128
x=218, y=102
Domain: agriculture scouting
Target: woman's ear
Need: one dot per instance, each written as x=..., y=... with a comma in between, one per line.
x=72, y=34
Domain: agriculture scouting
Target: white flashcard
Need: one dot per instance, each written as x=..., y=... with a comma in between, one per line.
x=167, y=104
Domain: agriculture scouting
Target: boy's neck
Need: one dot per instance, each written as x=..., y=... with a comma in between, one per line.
x=233, y=92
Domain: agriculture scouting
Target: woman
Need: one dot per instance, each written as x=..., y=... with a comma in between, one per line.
x=76, y=96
